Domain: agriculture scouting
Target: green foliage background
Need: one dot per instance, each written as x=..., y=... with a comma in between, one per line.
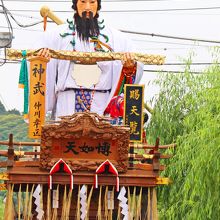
x=10, y=122
x=187, y=112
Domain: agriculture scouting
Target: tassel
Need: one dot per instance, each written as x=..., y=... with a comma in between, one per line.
x=71, y=182
x=99, y=213
x=50, y=182
x=129, y=203
x=112, y=201
x=19, y=203
x=133, y=205
x=30, y=203
x=106, y=203
x=96, y=181
x=23, y=82
x=64, y=203
x=26, y=202
x=154, y=206
x=78, y=205
x=117, y=184
x=88, y=203
x=69, y=198
x=148, y=204
x=48, y=204
x=54, y=214
x=138, y=213
x=9, y=207
x=42, y=200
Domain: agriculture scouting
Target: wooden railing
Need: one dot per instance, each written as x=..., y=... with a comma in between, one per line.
x=140, y=155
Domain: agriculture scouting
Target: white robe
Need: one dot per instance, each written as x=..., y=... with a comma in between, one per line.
x=62, y=70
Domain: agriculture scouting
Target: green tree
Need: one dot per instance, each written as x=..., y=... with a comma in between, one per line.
x=188, y=112
x=13, y=111
x=14, y=124
x=2, y=108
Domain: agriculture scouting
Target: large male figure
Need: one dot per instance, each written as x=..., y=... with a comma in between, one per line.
x=64, y=95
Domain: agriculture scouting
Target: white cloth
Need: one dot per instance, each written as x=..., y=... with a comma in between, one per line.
x=59, y=71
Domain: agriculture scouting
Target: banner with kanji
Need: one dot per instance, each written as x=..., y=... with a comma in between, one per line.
x=133, y=110
x=37, y=96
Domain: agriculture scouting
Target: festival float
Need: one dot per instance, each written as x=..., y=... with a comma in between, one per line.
x=83, y=166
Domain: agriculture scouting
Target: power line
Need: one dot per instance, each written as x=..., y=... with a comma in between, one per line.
x=138, y=10
x=126, y=31
x=175, y=43
x=146, y=41
x=24, y=16
x=168, y=9
x=145, y=70
x=130, y=32
x=166, y=48
x=132, y=10
x=54, y=1
x=10, y=31
x=5, y=10
x=180, y=64
x=17, y=28
x=171, y=71
x=148, y=70
x=169, y=36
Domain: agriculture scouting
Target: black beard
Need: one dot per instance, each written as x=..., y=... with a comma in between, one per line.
x=86, y=27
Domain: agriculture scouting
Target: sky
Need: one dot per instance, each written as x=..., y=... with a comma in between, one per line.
x=138, y=16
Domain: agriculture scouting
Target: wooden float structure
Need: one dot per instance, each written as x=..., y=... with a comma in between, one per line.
x=90, y=140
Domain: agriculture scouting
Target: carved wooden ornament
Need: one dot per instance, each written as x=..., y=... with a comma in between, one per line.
x=84, y=141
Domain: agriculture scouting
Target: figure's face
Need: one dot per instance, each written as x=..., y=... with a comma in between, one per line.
x=87, y=6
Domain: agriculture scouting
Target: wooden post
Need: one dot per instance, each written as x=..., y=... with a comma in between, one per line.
x=156, y=162
x=131, y=159
x=10, y=161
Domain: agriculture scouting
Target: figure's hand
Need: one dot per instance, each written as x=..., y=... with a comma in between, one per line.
x=44, y=52
x=128, y=60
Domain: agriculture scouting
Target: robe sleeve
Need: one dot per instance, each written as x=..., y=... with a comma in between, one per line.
x=139, y=72
x=49, y=40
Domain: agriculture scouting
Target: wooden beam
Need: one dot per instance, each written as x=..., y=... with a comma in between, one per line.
x=25, y=175
x=4, y=176
x=163, y=181
x=145, y=166
x=147, y=146
x=4, y=153
x=20, y=143
x=135, y=145
x=3, y=163
x=148, y=156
